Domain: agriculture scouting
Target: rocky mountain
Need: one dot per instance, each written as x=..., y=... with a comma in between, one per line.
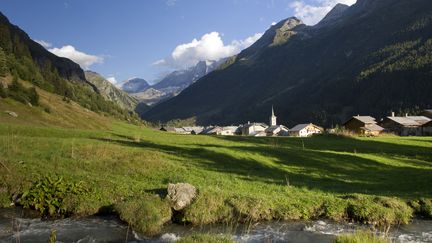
x=370, y=58
x=135, y=85
x=110, y=92
x=172, y=84
x=22, y=59
x=15, y=41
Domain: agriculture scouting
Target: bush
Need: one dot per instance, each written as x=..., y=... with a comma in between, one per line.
x=48, y=195
x=422, y=207
x=19, y=93
x=3, y=91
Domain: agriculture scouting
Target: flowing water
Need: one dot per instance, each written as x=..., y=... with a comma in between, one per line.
x=18, y=227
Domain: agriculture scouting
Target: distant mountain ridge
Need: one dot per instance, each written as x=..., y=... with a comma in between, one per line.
x=135, y=85
x=171, y=85
x=370, y=58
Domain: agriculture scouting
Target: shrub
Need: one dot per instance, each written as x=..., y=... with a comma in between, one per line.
x=422, y=207
x=3, y=91
x=18, y=92
x=48, y=195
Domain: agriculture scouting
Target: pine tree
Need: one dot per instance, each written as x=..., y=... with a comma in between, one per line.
x=3, y=91
x=3, y=63
x=33, y=96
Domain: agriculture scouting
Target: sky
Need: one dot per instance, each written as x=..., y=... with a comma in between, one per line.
x=148, y=38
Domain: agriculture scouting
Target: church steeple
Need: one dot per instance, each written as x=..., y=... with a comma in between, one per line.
x=272, y=118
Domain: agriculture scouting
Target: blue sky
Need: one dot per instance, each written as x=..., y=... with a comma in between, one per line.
x=145, y=38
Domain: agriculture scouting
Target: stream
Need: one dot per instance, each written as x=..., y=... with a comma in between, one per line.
x=16, y=226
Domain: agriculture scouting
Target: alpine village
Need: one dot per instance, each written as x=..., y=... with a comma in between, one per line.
x=250, y=126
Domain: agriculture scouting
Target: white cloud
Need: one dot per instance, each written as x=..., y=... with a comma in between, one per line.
x=312, y=13
x=83, y=59
x=112, y=80
x=209, y=47
x=171, y=3
x=44, y=43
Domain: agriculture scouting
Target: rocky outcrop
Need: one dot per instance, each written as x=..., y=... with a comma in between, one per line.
x=110, y=92
x=181, y=195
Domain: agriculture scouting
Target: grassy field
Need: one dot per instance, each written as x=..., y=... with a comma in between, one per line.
x=126, y=168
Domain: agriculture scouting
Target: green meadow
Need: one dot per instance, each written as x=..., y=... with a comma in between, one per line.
x=125, y=169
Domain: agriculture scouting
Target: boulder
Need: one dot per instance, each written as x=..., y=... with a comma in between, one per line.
x=181, y=195
x=11, y=113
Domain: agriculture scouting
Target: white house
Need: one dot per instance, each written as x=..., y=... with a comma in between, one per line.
x=251, y=129
x=229, y=131
x=305, y=130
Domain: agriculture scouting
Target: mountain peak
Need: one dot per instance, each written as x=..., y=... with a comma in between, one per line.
x=334, y=14
x=288, y=24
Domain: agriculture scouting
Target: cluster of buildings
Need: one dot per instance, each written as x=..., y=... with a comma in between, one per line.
x=362, y=125
x=400, y=125
x=252, y=129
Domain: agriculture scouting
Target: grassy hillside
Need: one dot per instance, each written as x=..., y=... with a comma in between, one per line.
x=125, y=169
x=53, y=110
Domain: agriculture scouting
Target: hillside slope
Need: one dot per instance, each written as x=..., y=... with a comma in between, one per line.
x=370, y=58
x=53, y=111
x=23, y=59
x=111, y=92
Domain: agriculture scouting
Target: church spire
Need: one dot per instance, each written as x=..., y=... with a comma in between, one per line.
x=272, y=118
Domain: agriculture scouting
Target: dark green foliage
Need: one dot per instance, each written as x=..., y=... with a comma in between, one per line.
x=3, y=91
x=18, y=92
x=3, y=63
x=48, y=195
x=422, y=207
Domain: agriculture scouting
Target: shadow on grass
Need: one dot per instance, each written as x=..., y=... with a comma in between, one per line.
x=323, y=163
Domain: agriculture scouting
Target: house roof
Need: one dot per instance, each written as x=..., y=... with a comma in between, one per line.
x=372, y=128
x=211, y=130
x=303, y=126
x=168, y=129
x=272, y=129
x=230, y=128
x=404, y=121
x=363, y=119
x=190, y=129
x=247, y=125
x=258, y=134
x=420, y=119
